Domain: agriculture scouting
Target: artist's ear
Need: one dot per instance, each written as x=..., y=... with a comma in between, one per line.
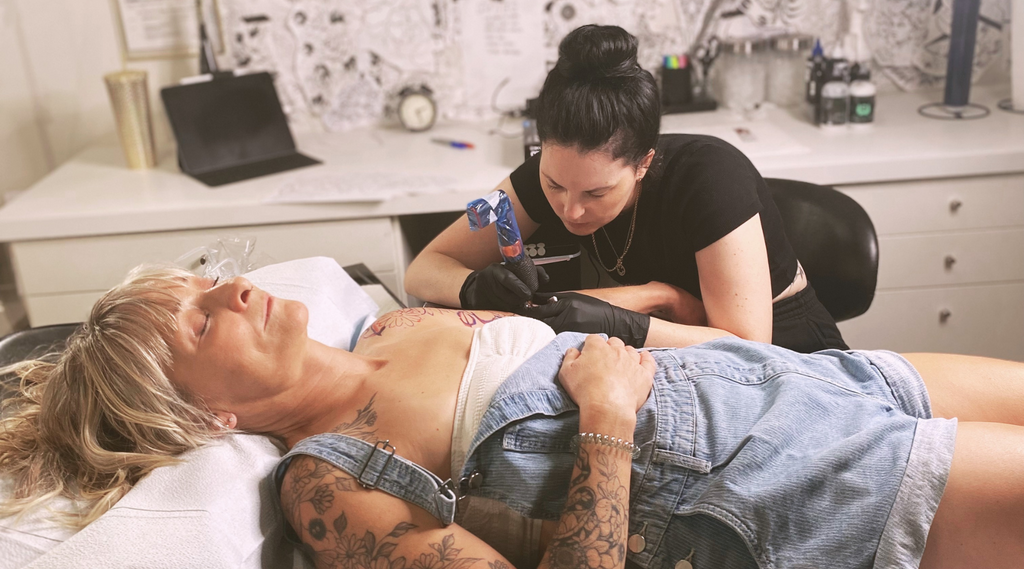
x=226, y=419
x=645, y=165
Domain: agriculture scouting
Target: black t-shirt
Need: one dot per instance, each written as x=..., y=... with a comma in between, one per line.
x=698, y=190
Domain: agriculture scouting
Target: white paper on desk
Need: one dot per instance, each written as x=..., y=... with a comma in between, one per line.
x=502, y=41
x=755, y=139
x=346, y=187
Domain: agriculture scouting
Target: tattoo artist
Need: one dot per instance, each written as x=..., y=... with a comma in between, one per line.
x=684, y=222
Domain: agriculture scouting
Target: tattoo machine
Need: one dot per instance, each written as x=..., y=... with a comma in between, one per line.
x=496, y=208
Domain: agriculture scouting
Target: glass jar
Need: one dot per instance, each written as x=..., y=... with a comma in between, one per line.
x=738, y=74
x=788, y=69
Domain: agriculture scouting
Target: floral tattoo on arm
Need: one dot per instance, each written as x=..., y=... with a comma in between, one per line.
x=310, y=495
x=333, y=543
x=592, y=530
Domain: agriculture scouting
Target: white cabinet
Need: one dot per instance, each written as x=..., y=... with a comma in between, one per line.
x=951, y=267
x=60, y=279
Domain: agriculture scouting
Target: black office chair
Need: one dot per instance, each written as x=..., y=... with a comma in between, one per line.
x=835, y=241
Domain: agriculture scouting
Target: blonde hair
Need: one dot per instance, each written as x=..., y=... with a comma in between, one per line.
x=90, y=422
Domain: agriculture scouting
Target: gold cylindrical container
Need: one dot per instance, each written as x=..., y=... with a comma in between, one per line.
x=129, y=95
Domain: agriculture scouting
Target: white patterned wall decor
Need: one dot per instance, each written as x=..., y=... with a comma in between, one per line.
x=340, y=63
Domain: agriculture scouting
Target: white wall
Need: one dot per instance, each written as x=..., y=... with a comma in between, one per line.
x=53, y=102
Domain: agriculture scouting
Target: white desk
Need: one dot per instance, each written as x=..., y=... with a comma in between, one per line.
x=78, y=231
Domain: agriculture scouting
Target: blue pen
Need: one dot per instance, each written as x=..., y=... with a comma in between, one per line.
x=452, y=143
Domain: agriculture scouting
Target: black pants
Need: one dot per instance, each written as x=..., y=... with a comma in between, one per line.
x=801, y=323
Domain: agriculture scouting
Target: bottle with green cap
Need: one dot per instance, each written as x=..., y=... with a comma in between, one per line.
x=862, y=97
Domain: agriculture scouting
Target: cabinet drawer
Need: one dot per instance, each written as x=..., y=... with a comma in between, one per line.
x=942, y=205
x=950, y=259
x=45, y=309
x=981, y=320
x=60, y=308
x=61, y=266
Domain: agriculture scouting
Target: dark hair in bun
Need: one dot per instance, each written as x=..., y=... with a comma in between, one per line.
x=598, y=97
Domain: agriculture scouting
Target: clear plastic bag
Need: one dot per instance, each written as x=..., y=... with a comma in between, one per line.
x=227, y=257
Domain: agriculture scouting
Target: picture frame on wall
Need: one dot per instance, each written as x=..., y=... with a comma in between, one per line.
x=163, y=29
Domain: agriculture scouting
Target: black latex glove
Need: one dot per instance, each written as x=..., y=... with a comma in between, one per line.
x=581, y=313
x=496, y=288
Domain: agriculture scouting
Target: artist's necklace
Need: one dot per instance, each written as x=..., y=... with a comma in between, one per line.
x=619, y=267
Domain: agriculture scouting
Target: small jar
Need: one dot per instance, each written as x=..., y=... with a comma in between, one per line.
x=862, y=99
x=788, y=69
x=738, y=74
x=835, y=103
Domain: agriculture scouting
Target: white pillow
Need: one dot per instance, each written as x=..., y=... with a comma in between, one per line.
x=217, y=508
x=339, y=310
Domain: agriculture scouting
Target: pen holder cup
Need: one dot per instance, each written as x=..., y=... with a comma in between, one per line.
x=676, y=87
x=129, y=96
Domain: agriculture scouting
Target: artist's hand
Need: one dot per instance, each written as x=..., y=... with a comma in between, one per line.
x=607, y=373
x=576, y=312
x=496, y=288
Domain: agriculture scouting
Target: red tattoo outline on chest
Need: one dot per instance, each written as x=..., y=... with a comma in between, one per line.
x=404, y=318
x=471, y=318
x=410, y=317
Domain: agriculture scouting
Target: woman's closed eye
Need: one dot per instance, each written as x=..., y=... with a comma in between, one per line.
x=206, y=314
x=206, y=324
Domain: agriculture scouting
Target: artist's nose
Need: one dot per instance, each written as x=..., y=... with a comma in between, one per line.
x=573, y=210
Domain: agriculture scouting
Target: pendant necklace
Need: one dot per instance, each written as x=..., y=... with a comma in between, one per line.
x=619, y=267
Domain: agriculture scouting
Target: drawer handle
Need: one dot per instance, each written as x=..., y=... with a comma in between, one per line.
x=944, y=315
x=954, y=205
x=950, y=261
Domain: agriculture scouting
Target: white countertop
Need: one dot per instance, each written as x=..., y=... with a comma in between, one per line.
x=95, y=194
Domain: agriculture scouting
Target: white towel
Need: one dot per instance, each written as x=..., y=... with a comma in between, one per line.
x=215, y=509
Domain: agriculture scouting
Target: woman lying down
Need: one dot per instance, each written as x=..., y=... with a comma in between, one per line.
x=565, y=451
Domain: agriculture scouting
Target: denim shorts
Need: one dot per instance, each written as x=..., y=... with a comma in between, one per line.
x=789, y=460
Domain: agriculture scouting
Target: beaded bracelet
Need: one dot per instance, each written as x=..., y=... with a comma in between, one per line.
x=594, y=438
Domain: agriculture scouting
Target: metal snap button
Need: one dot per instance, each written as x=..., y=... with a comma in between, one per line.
x=685, y=563
x=636, y=543
x=476, y=480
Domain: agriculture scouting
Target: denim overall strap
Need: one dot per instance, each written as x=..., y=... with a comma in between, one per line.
x=377, y=466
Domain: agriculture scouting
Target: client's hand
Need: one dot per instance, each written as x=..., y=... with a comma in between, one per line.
x=607, y=374
x=577, y=312
x=496, y=288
